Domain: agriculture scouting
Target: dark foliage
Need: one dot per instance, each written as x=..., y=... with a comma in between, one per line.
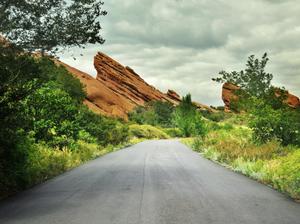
x=153, y=113
x=47, y=24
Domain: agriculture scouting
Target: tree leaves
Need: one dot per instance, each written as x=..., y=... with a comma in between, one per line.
x=254, y=80
x=44, y=25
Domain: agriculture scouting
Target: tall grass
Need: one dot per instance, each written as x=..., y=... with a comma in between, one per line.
x=270, y=163
x=45, y=162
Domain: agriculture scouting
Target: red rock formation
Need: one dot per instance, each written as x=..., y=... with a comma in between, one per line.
x=118, y=89
x=173, y=95
x=291, y=100
x=229, y=95
x=125, y=82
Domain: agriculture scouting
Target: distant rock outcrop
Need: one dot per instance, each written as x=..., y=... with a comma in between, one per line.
x=229, y=95
x=291, y=100
x=118, y=89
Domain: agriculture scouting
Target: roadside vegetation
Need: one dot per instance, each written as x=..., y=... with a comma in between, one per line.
x=271, y=163
x=260, y=138
x=45, y=129
x=183, y=120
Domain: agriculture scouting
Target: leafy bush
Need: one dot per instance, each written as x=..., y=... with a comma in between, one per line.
x=155, y=113
x=188, y=119
x=13, y=163
x=281, y=124
x=21, y=75
x=105, y=130
x=51, y=112
x=49, y=71
x=147, y=132
x=43, y=121
x=140, y=115
x=163, y=112
x=173, y=132
x=214, y=116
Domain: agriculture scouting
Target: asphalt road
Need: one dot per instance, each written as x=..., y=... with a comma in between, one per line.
x=154, y=182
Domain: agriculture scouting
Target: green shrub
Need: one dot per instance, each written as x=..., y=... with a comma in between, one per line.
x=214, y=116
x=188, y=119
x=13, y=163
x=41, y=111
x=173, y=132
x=52, y=112
x=66, y=81
x=155, y=113
x=105, y=130
x=281, y=124
x=147, y=132
x=86, y=137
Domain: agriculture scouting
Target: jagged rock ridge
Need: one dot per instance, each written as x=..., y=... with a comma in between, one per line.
x=118, y=89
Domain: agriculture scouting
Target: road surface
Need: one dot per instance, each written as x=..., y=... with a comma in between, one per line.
x=154, y=182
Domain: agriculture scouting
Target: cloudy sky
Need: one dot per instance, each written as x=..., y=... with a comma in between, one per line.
x=181, y=45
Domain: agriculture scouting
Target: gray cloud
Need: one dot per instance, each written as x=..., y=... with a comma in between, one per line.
x=183, y=44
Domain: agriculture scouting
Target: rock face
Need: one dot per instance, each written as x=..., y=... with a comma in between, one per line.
x=291, y=100
x=173, y=95
x=229, y=95
x=118, y=89
x=125, y=82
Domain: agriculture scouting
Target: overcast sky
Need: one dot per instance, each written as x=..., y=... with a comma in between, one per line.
x=181, y=45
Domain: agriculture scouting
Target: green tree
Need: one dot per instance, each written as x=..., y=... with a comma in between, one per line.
x=49, y=71
x=52, y=114
x=163, y=112
x=188, y=119
x=45, y=25
x=254, y=80
x=282, y=124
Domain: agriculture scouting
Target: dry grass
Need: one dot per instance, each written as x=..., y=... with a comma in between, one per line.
x=269, y=163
